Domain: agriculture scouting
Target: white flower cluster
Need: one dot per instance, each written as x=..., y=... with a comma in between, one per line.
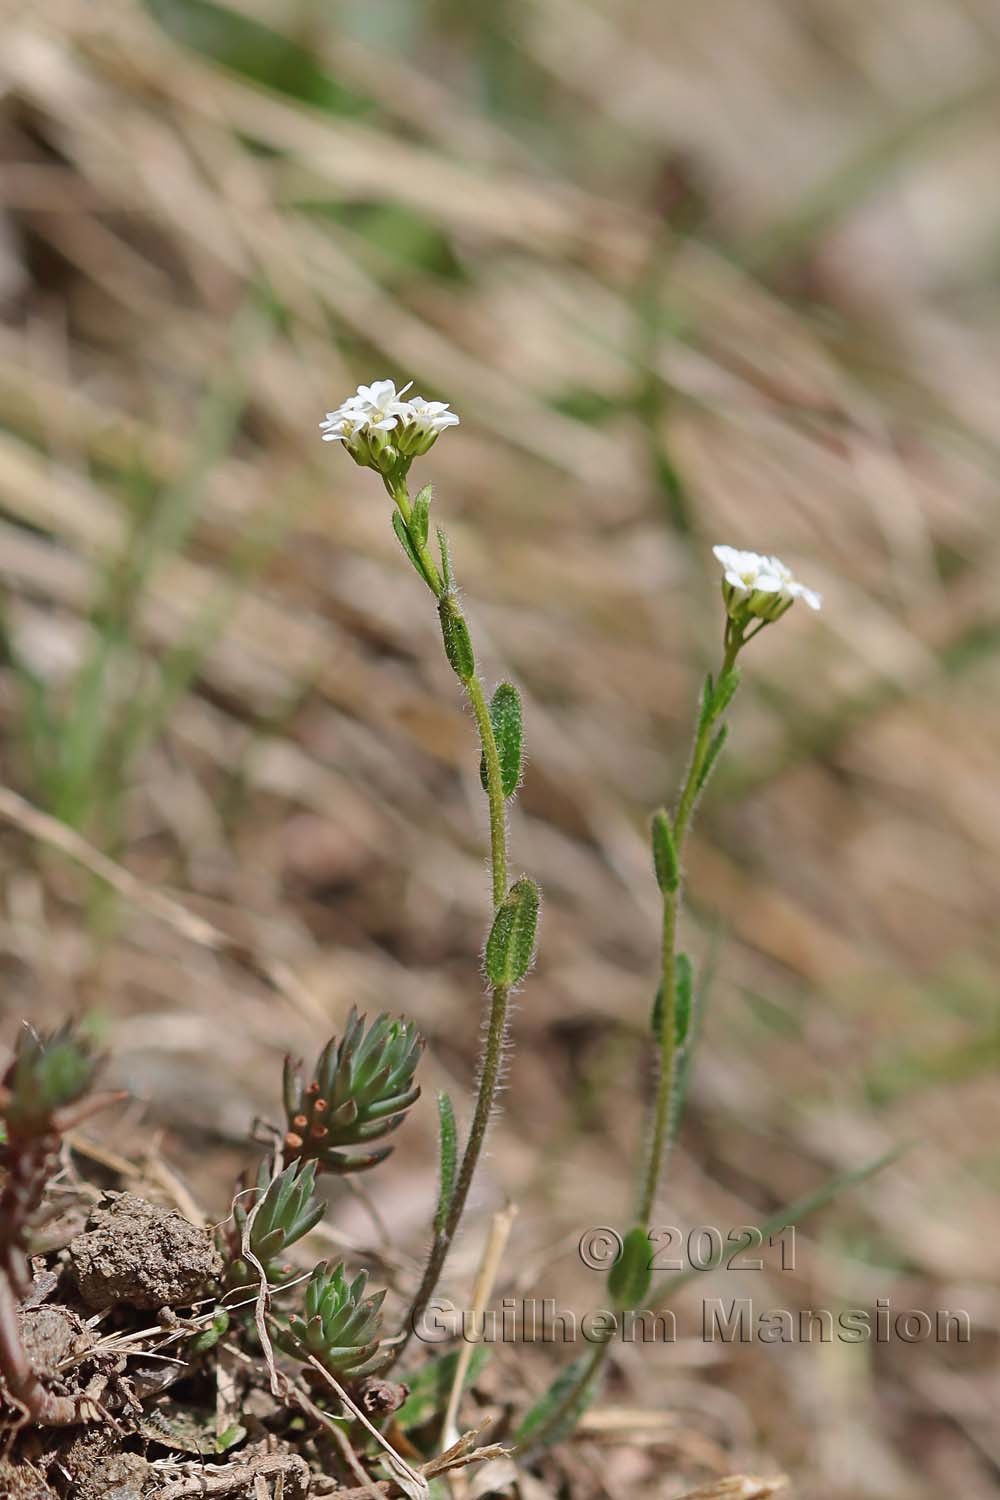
x=362, y=423
x=759, y=587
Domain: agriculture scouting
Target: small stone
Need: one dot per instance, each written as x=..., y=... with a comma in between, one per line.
x=142, y=1255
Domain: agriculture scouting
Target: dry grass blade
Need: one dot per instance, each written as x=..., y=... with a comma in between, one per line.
x=50, y=831
x=738, y=1487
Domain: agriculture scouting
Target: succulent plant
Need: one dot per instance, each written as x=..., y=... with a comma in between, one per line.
x=46, y=1076
x=360, y=1090
x=288, y=1210
x=340, y=1327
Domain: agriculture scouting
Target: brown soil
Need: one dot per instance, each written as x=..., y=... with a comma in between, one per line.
x=135, y=1254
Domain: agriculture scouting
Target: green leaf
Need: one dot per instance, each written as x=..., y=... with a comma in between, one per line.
x=631, y=1274
x=448, y=1156
x=554, y=1415
x=725, y=691
x=683, y=990
x=431, y=1386
x=708, y=766
x=210, y=1336
x=707, y=706
x=510, y=946
x=665, y=861
x=505, y=716
x=447, y=566
x=420, y=516
x=455, y=633
x=233, y=1434
x=656, y=1014
x=406, y=541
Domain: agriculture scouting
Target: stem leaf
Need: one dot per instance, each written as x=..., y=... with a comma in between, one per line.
x=684, y=989
x=711, y=756
x=420, y=516
x=665, y=861
x=447, y=566
x=457, y=641
x=558, y=1410
x=510, y=946
x=505, y=716
x=725, y=691
x=406, y=541
x=631, y=1274
x=447, y=1156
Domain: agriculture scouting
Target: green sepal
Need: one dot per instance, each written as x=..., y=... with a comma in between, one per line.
x=631, y=1274
x=505, y=716
x=448, y=1157
x=510, y=946
x=420, y=515
x=406, y=541
x=665, y=861
x=457, y=641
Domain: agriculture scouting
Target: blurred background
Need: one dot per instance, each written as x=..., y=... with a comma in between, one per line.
x=689, y=275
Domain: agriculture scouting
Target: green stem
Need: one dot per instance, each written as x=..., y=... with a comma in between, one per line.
x=491, y=1056
x=494, y=790
x=662, y=1104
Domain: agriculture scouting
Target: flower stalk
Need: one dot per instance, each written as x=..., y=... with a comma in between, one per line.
x=756, y=591
x=383, y=431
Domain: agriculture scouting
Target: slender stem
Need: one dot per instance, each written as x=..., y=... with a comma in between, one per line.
x=494, y=790
x=662, y=1105
x=491, y=1056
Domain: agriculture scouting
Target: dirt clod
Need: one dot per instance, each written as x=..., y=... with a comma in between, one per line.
x=52, y=1335
x=97, y=1470
x=142, y=1255
x=22, y=1481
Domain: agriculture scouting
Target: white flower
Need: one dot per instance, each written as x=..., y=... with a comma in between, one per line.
x=362, y=421
x=755, y=586
x=422, y=422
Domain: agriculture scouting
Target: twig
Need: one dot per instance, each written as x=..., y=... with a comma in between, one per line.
x=410, y=1481
x=262, y=1301
x=223, y=1480
x=738, y=1487
x=486, y=1276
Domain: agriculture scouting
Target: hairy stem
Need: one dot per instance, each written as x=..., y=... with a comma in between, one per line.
x=663, y=1100
x=491, y=1053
